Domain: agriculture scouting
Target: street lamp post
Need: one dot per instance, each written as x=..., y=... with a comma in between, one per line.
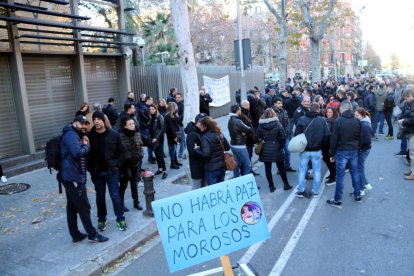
x=141, y=43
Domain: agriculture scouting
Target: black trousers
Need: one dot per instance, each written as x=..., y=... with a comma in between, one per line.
x=1, y=171
x=388, y=116
x=281, y=167
x=78, y=203
x=159, y=156
x=130, y=174
x=331, y=165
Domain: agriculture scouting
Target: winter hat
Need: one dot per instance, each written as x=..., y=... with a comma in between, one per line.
x=98, y=114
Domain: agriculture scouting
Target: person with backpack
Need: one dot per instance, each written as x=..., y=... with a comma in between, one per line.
x=74, y=146
x=110, y=111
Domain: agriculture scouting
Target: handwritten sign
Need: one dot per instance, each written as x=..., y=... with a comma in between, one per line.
x=219, y=90
x=207, y=223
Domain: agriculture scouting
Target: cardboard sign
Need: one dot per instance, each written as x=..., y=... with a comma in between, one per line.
x=210, y=222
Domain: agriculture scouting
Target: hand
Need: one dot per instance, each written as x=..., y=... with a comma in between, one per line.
x=332, y=159
x=400, y=121
x=85, y=140
x=154, y=141
x=196, y=146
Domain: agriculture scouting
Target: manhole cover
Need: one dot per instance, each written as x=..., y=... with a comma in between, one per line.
x=13, y=188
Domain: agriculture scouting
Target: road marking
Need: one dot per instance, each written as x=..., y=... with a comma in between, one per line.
x=275, y=219
x=293, y=241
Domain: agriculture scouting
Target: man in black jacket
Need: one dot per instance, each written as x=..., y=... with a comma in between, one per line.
x=180, y=104
x=317, y=134
x=104, y=160
x=238, y=133
x=344, y=145
x=205, y=100
x=284, y=121
x=291, y=105
x=407, y=122
x=302, y=109
x=111, y=112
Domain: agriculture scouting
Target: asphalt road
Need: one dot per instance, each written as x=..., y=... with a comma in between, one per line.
x=311, y=238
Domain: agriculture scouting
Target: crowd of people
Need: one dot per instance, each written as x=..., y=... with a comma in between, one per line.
x=338, y=118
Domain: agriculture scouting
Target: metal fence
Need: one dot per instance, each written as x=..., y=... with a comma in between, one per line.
x=156, y=81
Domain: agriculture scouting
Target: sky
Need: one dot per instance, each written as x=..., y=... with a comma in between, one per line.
x=389, y=27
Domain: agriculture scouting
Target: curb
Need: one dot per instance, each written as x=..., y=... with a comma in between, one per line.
x=114, y=252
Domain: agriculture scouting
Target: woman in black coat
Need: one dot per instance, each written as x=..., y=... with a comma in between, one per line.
x=271, y=132
x=213, y=146
x=172, y=130
x=156, y=139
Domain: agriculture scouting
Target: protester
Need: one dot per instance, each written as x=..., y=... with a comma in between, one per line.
x=407, y=122
x=205, y=100
x=83, y=110
x=331, y=115
x=193, y=141
x=74, y=147
x=180, y=110
x=156, y=139
x=344, y=145
x=111, y=112
x=364, y=147
x=317, y=134
x=213, y=146
x=274, y=138
x=389, y=104
x=104, y=161
x=172, y=130
x=370, y=107
x=130, y=169
x=238, y=133
x=380, y=96
x=162, y=107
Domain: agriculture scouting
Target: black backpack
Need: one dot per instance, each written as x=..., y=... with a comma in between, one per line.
x=53, y=157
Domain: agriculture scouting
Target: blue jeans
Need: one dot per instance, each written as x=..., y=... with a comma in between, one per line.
x=362, y=156
x=287, y=154
x=172, y=151
x=182, y=142
x=101, y=179
x=244, y=165
x=215, y=177
x=316, y=158
x=380, y=118
x=343, y=158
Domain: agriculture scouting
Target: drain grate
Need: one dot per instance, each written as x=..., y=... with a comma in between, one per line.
x=13, y=188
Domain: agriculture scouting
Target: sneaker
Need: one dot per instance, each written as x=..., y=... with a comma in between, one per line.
x=98, y=238
x=4, y=179
x=332, y=202
x=308, y=177
x=164, y=175
x=328, y=177
x=80, y=238
x=255, y=173
x=315, y=195
x=389, y=137
x=290, y=169
x=347, y=171
x=408, y=172
x=368, y=187
x=358, y=198
x=409, y=177
x=122, y=226
x=362, y=193
x=300, y=194
x=381, y=133
x=330, y=182
x=102, y=225
x=400, y=154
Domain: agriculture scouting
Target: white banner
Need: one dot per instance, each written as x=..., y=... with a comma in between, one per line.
x=219, y=90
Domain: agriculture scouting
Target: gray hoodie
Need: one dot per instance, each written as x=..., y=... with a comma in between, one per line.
x=380, y=96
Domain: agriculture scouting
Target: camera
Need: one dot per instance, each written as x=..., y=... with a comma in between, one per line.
x=127, y=53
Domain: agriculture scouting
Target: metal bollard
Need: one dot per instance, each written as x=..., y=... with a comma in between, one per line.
x=149, y=192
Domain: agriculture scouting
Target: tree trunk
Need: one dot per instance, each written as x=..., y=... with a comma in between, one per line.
x=188, y=70
x=315, y=44
x=282, y=54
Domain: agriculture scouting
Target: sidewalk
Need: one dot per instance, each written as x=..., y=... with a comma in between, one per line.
x=34, y=237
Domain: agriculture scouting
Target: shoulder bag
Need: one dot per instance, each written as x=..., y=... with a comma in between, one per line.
x=231, y=164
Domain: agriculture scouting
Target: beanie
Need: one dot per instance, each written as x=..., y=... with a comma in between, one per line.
x=98, y=114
